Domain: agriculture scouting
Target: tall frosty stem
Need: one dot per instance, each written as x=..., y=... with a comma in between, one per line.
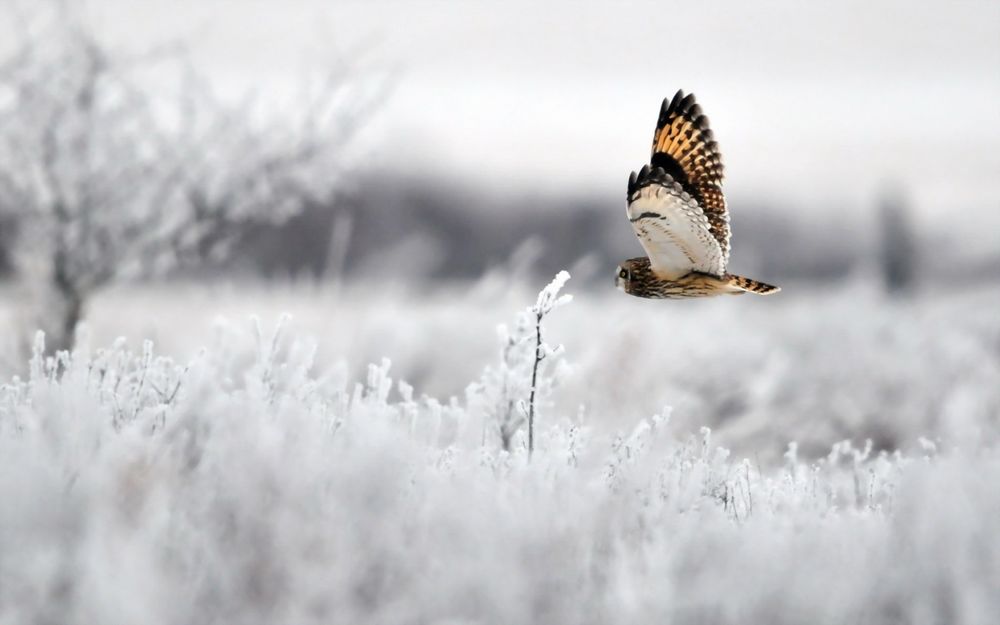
x=539, y=356
x=548, y=300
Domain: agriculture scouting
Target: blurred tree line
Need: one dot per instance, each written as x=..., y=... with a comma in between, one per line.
x=398, y=227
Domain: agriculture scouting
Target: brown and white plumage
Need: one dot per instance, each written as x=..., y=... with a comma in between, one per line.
x=679, y=213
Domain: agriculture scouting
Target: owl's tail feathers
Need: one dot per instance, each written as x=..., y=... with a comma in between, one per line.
x=739, y=284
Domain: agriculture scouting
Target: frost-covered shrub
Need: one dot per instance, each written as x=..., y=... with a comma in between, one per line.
x=510, y=392
x=251, y=485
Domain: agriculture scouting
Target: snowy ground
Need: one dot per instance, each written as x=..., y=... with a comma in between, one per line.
x=234, y=475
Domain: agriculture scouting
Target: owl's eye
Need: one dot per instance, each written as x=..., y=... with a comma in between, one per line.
x=623, y=274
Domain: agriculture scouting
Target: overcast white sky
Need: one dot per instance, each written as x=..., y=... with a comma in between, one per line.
x=812, y=103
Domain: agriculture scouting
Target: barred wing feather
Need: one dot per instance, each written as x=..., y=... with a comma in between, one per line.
x=685, y=148
x=672, y=227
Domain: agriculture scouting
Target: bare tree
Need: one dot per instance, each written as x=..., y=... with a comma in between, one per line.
x=108, y=180
x=898, y=255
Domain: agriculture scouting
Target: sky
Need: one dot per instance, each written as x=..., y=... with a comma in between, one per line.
x=819, y=105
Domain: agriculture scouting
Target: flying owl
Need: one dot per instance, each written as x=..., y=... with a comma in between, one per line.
x=678, y=211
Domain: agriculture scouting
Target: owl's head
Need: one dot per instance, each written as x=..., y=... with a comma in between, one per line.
x=622, y=277
x=633, y=275
x=625, y=273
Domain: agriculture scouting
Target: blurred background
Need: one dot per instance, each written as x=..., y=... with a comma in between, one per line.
x=402, y=176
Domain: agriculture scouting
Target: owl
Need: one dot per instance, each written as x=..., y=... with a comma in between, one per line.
x=677, y=209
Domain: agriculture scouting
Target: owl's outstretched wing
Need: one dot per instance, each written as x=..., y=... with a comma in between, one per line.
x=672, y=226
x=684, y=147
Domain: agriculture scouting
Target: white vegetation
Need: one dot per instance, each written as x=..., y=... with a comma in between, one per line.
x=251, y=485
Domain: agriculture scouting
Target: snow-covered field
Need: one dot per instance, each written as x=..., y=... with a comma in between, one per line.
x=689, y=463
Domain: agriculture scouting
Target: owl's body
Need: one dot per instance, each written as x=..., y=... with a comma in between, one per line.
x=679, y=214
x=640, y=280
